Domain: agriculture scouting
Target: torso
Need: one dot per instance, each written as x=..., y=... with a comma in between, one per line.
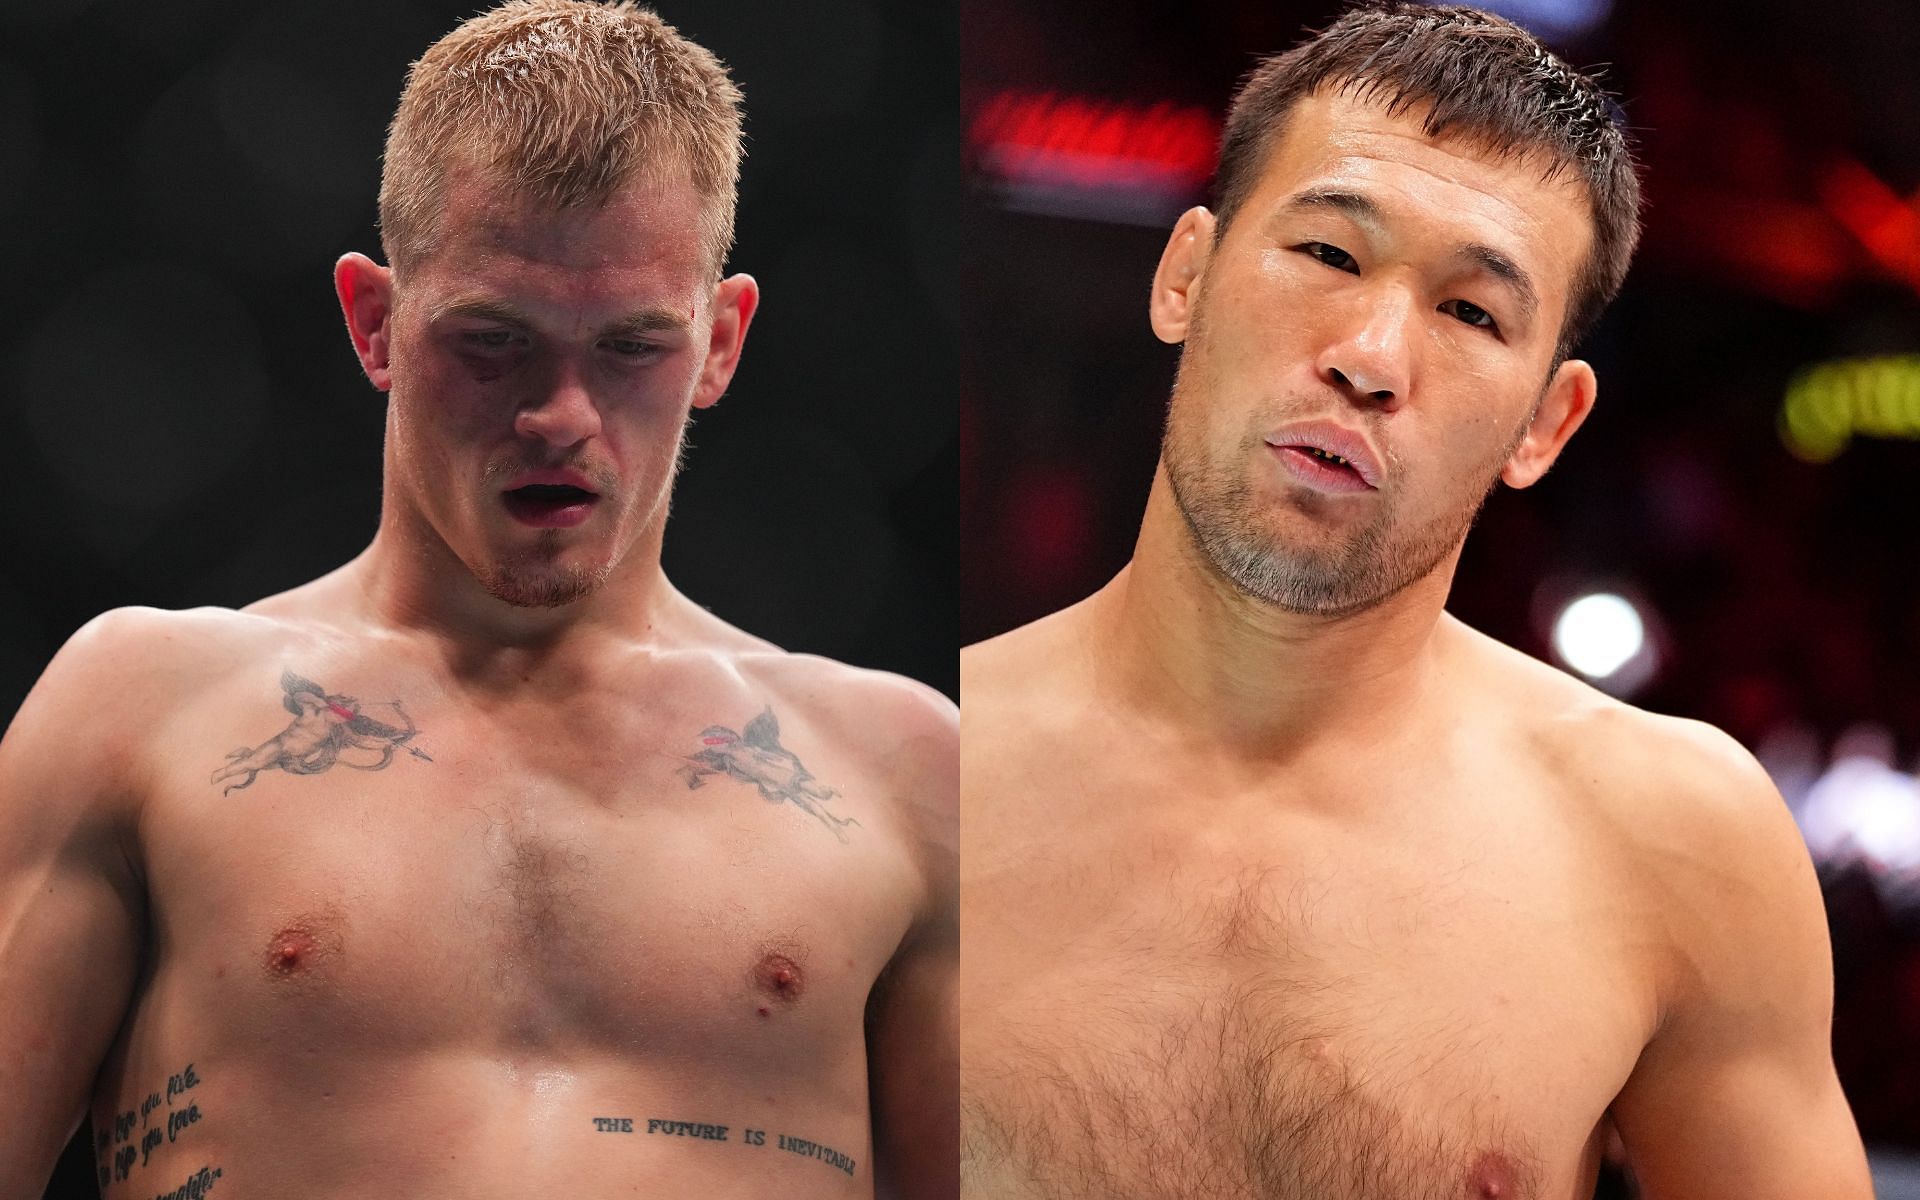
x=1404, y=974
x=533, y=953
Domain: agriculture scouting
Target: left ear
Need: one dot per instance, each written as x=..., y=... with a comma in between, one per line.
x=1568, y=399
x=735, y=300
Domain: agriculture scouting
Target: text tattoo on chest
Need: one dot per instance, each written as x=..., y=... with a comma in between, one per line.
x=754, y=755
x=328, y=730
x=702, y=1131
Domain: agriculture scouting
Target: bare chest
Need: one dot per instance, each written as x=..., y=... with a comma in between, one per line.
x=357, y=878
x=1293, y=1014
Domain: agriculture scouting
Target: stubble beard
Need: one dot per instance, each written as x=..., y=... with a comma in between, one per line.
x=534, y=581
x=1344, y=574
x=544, y=586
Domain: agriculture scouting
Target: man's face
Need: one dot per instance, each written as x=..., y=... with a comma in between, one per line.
x=1381, y=297
x=543, y=365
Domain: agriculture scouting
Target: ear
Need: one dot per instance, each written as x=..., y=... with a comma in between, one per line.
x=1178, y=275
x=1567, y=401
x=735, y=300
x=365, y=289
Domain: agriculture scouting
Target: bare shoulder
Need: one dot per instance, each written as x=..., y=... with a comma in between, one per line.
x=1665, y=777
x=858, y=706
x=126, y=658
x=83, y=730
x=874, y=708
x=1695, y=825
x=906, y=732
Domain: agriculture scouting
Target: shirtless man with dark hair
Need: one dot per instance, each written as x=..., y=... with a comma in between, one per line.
x=1280, y=882
x=489, y=863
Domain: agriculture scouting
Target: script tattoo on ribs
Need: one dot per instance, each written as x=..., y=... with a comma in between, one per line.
x=754, y=755
x=160, y=1118
x=328, y=729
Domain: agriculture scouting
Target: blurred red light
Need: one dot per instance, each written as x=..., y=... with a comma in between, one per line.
x=1092, y=143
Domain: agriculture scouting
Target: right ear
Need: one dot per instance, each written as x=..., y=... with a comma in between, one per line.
x=365, y=289
x=1174, y=283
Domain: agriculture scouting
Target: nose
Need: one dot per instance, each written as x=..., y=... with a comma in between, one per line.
x=1368, y=355
x=562, y=413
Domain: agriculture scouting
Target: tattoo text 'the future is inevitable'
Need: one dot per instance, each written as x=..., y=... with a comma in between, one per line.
x=661, y=1127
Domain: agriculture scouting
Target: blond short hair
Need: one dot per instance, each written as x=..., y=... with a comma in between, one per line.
x=563, y=101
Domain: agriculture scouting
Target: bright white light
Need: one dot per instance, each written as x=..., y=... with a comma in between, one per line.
x=1598, y=634
x=1863, y=809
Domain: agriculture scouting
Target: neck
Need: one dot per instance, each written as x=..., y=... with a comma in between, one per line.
x=1186, y=647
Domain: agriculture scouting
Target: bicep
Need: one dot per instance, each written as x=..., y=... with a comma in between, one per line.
x=1753, y=1125
x=1735, y=1094
x=68, y=955
x=913, y=1048
x=913, y=1038
x=70, y=928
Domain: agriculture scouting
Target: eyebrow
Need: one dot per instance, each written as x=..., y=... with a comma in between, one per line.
x=645, y=320
x=477, y=309
x=1506, y=271
x=1476, y=255
x=650, y=320
x=1361, y=208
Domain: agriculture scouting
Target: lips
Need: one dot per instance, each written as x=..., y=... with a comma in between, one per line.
x=1319, y=473
x=1328, y=456
x=550, y=499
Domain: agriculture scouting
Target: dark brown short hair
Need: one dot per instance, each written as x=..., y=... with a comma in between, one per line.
x=1481, y=78
x=565, y=101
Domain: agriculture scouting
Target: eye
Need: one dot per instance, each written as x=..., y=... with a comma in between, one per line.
x=1471, y=314
x=631, y=347
x=1333, y=256
x=487, y=339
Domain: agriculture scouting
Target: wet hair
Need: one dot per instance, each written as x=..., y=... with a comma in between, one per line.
x=564, y=101
x=1478, y=77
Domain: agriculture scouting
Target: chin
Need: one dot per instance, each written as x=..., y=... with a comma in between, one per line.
x=545, y=586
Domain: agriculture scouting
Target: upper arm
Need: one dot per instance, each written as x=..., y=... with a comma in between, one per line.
x=71, y=908
x=913, y=1038
x=1735, y=1095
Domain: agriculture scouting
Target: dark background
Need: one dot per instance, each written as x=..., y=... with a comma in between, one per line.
x=182, y=421
x=1782, y=151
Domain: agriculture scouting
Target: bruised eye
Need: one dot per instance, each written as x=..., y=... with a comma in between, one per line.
x=487, y=339
x=1333, y=256
x=1471, y=314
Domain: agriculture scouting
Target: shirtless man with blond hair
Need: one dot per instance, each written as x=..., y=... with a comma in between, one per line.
x=1280, y=882
x=490, y=864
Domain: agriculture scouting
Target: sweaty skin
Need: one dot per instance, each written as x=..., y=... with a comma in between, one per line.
x=383, y=886
x=1363, y=905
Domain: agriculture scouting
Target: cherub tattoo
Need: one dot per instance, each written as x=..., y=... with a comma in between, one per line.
x=325, y=729
x=756, y=756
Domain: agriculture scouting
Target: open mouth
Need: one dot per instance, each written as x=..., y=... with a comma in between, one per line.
x=1324, y=468
x=550, y=505
x=1326, y=457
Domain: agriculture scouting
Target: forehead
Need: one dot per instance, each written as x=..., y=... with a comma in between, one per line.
x=645, y=237
x=1450, y=190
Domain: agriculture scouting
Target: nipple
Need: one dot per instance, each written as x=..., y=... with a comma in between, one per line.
x=778, y=979
x=290, y=950
x=1492, y=1177
x=296, y=947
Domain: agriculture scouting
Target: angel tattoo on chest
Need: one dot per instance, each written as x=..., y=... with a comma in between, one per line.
x=754, y=755
x=328, y=730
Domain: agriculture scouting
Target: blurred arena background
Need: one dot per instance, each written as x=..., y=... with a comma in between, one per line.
x=1731, y=536
x=182, y=421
